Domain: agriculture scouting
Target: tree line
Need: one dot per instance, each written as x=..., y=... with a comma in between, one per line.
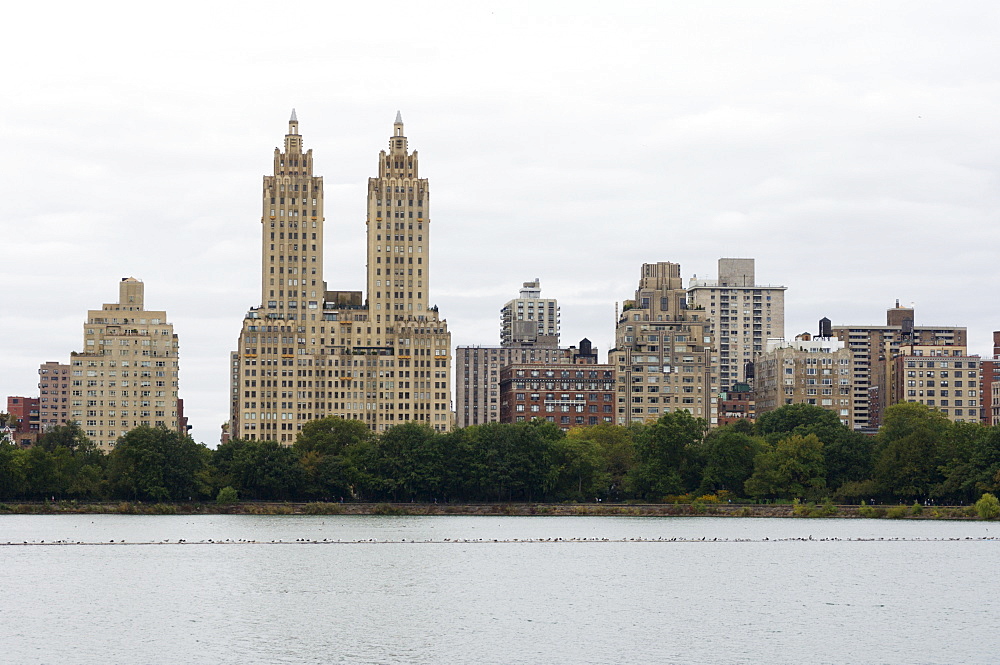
x=797, y=451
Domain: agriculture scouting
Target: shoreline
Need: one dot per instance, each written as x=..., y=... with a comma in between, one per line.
x=495, y=509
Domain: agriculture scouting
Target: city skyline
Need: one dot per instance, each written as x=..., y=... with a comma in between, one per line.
x=858, y=172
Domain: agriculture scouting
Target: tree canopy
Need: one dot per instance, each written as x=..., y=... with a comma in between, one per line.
x=796, y=451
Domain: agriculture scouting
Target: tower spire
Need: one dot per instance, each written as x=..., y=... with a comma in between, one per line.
x=397, y=133
x=294, y=117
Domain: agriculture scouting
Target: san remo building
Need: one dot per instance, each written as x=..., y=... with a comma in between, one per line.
x=382, y=357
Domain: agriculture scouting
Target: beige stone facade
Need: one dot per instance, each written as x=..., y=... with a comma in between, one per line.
x=128, y=373
x=663, y=352
x=742, y=315
x=808, y=370
x=941, y=377
x=308, y=352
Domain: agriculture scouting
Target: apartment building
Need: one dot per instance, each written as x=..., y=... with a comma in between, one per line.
x=873, y=347
x=568, y=395
x=945, y=378
x=736, y=404
x=54, y=394
x=128, y=372
x=806, y=370
x=529, y=319
x=663, y=354
x=477, y=374
x=742, y=315
x=25, y=424
x=382, y=356
x=989, y=374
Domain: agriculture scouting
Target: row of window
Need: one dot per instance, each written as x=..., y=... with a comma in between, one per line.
x=551, y=408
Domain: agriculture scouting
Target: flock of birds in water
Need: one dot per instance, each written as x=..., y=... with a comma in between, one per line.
x=447, y=541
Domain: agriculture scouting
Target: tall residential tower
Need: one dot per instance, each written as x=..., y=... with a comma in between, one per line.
x=742, y=314
x=307, y=352
x=127, y=374
x=663, y=352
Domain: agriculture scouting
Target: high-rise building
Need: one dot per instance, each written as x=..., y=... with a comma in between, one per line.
x=873, y=348
x=127, y=374
x=742, y=316
x=530, y=319
x=945, y=378
x=308, y=352
x=808, y=370
x=53, y=392
x=663, y=352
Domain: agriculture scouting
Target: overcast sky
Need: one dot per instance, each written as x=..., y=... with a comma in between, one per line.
x=850, y=147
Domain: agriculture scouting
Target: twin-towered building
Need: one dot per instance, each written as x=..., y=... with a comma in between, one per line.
x=382, y=356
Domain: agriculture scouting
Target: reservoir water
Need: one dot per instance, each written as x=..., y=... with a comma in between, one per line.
x=471, y=590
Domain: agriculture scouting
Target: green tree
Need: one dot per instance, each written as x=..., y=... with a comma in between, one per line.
x=664, y=451
x=848, y=457
x=800, y=419
x=988, y=507
x=11, y=472
x=729, y=460
x=581, y=468
x=410, y=462
x=68, y=436
x=512, y=462
x=42, y=477
x=265, y=470
x=970, y=463
x=227, y=495
x=332, y=436
x=222, y=462
x=459, y=471
x=87, y=479
x=615, y=447
x=160, y=465
x=78, y=465
x=331, y=451
x=792, y=468
x=908, y=457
